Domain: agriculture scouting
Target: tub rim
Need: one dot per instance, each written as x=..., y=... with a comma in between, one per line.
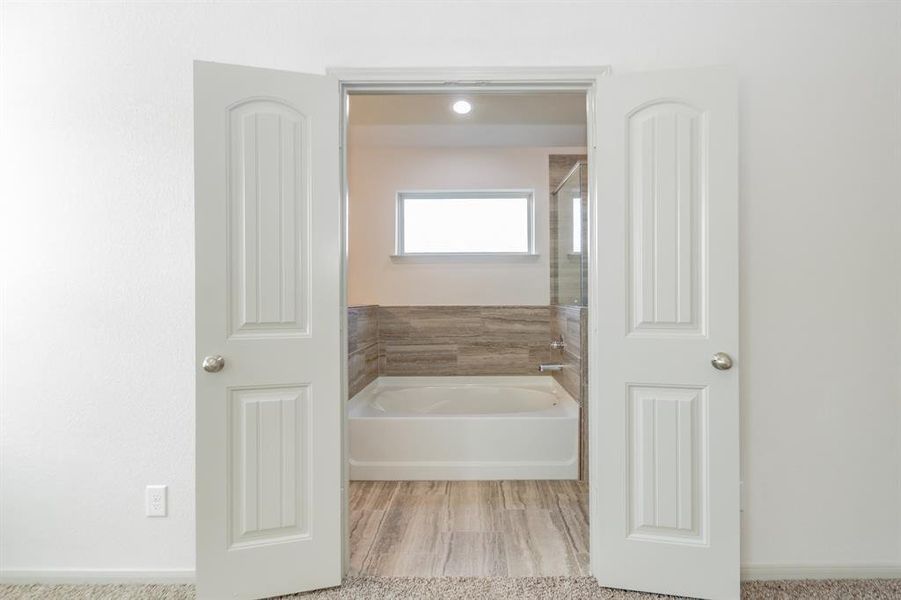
x=567, y=408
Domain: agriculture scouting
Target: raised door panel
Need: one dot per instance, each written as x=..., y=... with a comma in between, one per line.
x=667, y=453
x=268, y=220
x=666, y=208
x=269, y=442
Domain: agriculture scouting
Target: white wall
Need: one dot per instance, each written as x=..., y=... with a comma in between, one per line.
x=377, y=173
x=97, y=341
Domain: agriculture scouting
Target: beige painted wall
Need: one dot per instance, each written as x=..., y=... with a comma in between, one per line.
x=376, y=173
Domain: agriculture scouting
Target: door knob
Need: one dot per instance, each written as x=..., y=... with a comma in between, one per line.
x=721, y=361
x=213, y=364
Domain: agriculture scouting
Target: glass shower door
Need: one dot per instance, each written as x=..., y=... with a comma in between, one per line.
x=569, y=248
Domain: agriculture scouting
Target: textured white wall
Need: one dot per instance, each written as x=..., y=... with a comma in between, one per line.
x=97, y=340
x=377, y=173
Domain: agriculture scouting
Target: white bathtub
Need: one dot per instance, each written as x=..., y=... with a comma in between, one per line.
x=463, y=428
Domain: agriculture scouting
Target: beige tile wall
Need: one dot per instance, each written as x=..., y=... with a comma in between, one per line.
x=463, y=340
x=566, y=323
x=445, y=340
x=362, y=347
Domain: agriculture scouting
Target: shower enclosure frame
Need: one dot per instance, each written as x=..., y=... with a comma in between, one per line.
x=473, y=81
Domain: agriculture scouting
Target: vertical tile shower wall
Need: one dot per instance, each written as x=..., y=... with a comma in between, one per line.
x=362, y=347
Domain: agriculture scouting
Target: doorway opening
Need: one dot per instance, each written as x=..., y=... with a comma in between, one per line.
x=466, y=270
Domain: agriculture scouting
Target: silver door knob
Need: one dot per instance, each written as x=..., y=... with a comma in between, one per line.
x=721, y=361
x=213, y=364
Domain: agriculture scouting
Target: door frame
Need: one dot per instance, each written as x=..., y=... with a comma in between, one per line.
x=464, y=79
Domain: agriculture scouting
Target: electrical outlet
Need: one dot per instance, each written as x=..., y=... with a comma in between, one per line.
x=155, y=501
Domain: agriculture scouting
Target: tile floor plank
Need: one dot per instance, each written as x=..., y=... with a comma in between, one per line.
x=468, y=528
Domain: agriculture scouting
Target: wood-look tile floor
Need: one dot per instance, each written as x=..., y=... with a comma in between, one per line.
x=468, y=528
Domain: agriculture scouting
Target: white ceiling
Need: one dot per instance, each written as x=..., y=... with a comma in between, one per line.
x=497, y=119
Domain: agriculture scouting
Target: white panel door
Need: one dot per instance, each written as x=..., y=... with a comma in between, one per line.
x=665, y=256
x=267, y=211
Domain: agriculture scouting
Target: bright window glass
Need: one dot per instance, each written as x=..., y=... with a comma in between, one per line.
x=465, y=223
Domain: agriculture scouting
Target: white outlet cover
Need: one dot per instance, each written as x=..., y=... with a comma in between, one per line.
x=155, y=501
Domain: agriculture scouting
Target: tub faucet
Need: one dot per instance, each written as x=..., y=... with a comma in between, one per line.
x=557, y=343
x=549, y=367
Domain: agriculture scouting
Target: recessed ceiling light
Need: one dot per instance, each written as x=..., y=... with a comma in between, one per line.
x=462, y=107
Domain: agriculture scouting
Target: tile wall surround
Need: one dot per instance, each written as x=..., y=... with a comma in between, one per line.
x=566, y=323
x=445, y=340
x=362, y=347
x=463, y=340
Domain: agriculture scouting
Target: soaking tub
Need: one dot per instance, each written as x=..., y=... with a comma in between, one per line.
x=463, y=428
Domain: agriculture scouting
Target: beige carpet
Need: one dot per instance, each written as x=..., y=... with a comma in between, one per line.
x=472, y=588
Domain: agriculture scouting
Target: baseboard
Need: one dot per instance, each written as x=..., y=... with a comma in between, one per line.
x=765, y=572
x=96, y=576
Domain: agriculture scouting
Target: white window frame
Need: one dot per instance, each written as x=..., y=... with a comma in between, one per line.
x=400, y=250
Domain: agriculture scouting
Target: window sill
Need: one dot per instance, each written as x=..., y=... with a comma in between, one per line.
x=475, y=257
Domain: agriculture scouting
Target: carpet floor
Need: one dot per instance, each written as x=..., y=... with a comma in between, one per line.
x=473, y=588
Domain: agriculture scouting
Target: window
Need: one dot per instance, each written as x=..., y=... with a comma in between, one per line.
x=487, y=222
